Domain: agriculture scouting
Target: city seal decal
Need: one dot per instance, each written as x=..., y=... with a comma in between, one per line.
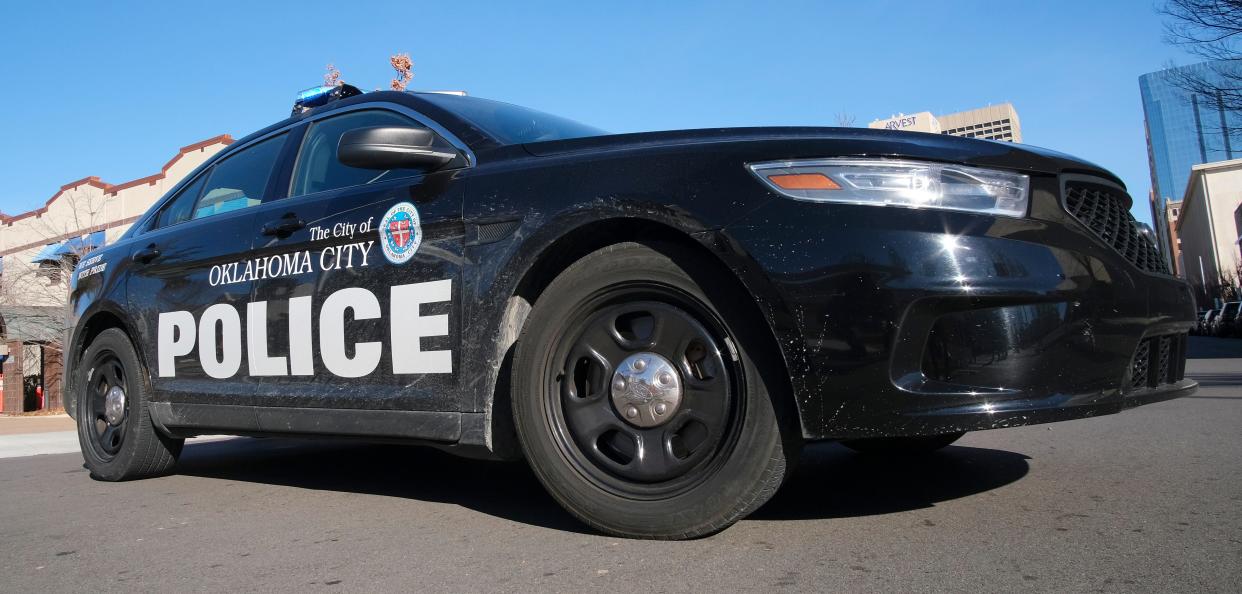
x=400, y=233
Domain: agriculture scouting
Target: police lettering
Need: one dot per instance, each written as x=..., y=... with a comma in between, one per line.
x=178, y=333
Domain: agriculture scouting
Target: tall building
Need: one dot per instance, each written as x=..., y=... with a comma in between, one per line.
x=1183, y=130
x=994, y=122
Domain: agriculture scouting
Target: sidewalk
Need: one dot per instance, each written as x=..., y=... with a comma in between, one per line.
x=10, y=425
x=52, y=434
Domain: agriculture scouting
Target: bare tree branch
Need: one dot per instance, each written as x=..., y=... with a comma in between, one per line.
x=402, y=64
x=37, y=293
x=1209, y=29
x=332, y=78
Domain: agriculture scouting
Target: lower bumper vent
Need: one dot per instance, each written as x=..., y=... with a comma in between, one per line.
x=1158, y=360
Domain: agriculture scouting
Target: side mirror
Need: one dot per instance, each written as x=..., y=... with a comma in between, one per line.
x=392, y=148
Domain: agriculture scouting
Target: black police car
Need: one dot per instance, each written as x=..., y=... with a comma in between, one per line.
x=655, y=321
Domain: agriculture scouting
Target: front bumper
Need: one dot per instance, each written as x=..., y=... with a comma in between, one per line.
x=902, y=322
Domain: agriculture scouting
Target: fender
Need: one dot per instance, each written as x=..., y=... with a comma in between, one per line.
x=528, y=265
x=76, y=345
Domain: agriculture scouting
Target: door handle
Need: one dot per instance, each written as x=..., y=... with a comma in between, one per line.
x=147, y=254
x=283, y=227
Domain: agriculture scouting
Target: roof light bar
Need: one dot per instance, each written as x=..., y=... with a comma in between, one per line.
x=317, y=96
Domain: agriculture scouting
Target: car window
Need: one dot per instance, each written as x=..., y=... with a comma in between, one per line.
x=240, y=180
x=179, y=208
x=318, y=169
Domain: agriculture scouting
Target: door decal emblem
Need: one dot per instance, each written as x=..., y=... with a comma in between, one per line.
x=400, y=233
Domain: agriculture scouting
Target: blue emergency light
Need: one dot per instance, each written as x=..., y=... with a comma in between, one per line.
x=317, y=96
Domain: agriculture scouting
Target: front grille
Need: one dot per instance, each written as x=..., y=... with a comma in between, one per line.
x=1158, y=360
x=1103, y=210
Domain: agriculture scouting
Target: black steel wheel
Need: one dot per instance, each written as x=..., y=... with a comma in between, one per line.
x=109, y=407
x=115, y=431
x=637, y=402
x=647, y=392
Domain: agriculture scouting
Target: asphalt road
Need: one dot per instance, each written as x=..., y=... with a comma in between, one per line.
x=1149, y=500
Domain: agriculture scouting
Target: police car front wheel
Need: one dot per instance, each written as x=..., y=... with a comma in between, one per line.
x=118, y=440
x=637, y=399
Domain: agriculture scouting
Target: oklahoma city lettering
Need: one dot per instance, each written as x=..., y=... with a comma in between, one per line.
x=292, y=263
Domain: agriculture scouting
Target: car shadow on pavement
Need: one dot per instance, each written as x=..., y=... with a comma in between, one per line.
x=834, y=482
x=502, y=489
x=1210, y=347
x=830, y=481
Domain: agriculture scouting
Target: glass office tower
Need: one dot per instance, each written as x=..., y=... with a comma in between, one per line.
x=1183, y=130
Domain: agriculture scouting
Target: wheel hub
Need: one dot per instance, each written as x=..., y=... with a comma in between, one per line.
x=114, y=406
x=646, y=390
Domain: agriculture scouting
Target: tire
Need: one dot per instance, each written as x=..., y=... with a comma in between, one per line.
x=723, y=450
x=121, y=443
x=895, y=446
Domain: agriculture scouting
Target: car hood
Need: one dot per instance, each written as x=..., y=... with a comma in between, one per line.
x=806, y=142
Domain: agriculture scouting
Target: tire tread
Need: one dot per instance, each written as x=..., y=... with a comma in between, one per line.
x=775, y=467
x=149, y=452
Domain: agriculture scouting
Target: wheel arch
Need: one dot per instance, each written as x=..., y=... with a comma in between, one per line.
x=90, y=326
x=709, y=247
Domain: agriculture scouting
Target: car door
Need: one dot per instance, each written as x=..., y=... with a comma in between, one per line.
x=188, y=288
x=362, y=305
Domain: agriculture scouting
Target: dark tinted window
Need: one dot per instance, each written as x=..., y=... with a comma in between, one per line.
x=511, y=124
x=318, y=169
x=240, y=180
x=179, y=208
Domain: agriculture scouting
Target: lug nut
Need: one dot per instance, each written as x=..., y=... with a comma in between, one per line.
x=631, y=412
x=661, y=408
x=665, y=378
x=618, y=385
x=640, y=364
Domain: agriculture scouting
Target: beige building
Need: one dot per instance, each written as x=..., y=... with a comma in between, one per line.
x=38, y=252
x=1208, y=229
x=922, y=121
x=994, y=122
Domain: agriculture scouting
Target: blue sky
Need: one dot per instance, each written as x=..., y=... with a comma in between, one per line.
x=114, y=89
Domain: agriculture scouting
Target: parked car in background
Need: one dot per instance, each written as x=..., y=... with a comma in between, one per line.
x=1205, y=324
x=1200, y=320
x=1223, y=324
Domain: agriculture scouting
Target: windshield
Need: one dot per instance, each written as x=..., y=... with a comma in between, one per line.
x=511, y=124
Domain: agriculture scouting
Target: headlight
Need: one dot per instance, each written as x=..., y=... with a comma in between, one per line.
x=910, y=184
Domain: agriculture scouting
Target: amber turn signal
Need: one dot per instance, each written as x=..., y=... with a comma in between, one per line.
x=804, y=181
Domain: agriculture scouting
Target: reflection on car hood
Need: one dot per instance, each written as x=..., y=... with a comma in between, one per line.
x=809, y=142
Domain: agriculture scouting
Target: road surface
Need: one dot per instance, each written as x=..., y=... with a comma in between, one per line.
x=1149, y=500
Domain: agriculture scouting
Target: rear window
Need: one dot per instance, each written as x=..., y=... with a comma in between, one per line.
x=236, y=182
x=239, y=181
